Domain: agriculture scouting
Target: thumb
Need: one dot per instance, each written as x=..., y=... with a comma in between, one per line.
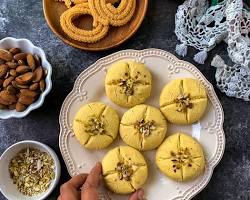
x=90, y=186
x=138, y=195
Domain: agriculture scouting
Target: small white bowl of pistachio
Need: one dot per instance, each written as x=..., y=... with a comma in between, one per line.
x=29, y=170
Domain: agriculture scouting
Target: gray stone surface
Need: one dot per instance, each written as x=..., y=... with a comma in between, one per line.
x=24, y=19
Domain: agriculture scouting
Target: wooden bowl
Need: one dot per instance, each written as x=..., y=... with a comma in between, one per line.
x=116, y=36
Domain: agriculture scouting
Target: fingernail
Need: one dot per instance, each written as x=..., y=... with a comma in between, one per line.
x=141, y=194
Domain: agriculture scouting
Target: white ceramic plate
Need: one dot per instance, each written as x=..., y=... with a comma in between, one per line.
x=164, y=67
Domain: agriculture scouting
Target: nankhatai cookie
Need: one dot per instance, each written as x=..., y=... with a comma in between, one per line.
x=183, y=101
x=180, y=157
x=124, y=170
x=96, y=125
x=90, y=36
x=143, y=127
x=128, y=83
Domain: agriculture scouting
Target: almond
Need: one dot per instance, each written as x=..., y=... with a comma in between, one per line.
x=42, y=85
x=6, y=96
x=3, y=70
x=38, y=74
x=21, y=62
x=31, y=61
x=13, y=72
x=6, y=103
x=37, y=60
x=11, y=89
x=11, y=65
x=26, y=100
x=24, y=79
x=20, y=56
x=14, y=51
x=22, y=69
x=7, y=81
x=12, y=106
x=29, y=93
x=20, y=107
x=34, y=86
x=5, y=55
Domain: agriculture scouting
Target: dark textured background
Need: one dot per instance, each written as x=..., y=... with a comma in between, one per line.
x=24, y=19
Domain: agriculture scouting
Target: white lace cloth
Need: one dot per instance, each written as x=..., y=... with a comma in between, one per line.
x=203, y=27
x=199, y=26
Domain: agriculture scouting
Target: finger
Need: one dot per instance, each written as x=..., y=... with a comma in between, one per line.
x=138, y=195
x=78, y=181
x=59, y=198
x=93, y=178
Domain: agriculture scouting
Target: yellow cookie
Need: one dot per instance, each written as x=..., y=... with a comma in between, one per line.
x=143, y=127
x=180, y=157
x=124, y=169
x=128, y=83
x=183, y=101
x=96, y=125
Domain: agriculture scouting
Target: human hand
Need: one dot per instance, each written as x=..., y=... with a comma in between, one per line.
x=84, y=187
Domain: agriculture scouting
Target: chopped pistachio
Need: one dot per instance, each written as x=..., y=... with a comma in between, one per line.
x=95, y=126
x=145, y=127
x=181, y=158
x=125, y=171
x=32, y=171
x=183, y=100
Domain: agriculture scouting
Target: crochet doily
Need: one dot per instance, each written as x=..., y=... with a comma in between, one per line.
x=233, y=81
x=238, y=34
x=200, y=26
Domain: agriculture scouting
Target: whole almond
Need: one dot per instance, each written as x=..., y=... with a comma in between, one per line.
x=11, y=89
x=21, y=62
x=26, y=100
x=6, y=103
x=5, y=55
x=22, y=69
x=22, y=86
x=3, y=70
x=29, y=93
x=20, y=107
x=7, y=81
x=14, y=51
x=11, y=65
x=6, y=96
x=12, y=106
x=37, y=60
x=20, y=56
x=42, y=85
x=38, y=74
x=24, y=79
x=45, y=72
x=13, y=72
x=31, y=61
x=34, y=86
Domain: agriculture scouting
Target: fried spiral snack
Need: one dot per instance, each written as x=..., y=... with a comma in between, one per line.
x=90, y=36
x=70, y=3
x=106, y=13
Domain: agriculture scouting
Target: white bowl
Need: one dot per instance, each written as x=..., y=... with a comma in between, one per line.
x=8, y=189
x=27, y=46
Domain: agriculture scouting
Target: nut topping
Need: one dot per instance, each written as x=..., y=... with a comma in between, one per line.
x=145, y=127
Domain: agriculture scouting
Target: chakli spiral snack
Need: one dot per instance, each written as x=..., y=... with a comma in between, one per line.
x=90, y=36
x=107, y=13
x=70, y=3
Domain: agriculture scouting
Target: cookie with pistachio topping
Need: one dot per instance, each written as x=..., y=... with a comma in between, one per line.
x=96, y=125
x=143, y=127
x=124, y=170
x=183, y=101
x=128, y=83
x=180, y=157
